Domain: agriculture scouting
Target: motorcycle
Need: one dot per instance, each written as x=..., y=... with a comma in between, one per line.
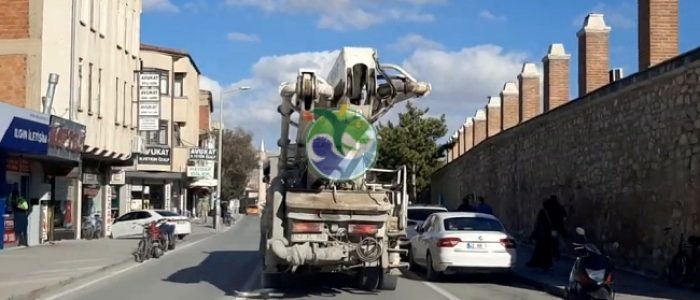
x=591, y=275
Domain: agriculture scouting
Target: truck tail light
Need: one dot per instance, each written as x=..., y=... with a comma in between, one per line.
x=449, y=242
x=362, y=229
x=307, y=227
x=508, y=243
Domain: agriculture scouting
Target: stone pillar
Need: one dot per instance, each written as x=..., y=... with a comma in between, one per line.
x=479, y=126
x=556, y=77
x=593, y=54
x=658, y=31
x=460, y=133
x=493, y=116
x=510, y=107
x=529, y=94
x=468, y=134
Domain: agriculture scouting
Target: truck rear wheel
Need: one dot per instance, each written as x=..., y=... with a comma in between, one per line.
x=388, y=282
x=370, y=278
x=275, y=281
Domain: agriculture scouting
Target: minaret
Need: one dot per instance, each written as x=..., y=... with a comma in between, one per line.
x=262, y=187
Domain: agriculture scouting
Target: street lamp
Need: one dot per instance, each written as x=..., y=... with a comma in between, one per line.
x=217, y=202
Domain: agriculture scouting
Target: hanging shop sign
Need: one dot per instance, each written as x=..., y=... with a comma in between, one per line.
x=149, y=109
x=201, y=169
x=23, y=130
x=202, y=154
x=155, y=156
x=66, y=138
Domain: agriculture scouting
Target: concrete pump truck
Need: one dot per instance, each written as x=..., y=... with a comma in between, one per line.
x=327, y=208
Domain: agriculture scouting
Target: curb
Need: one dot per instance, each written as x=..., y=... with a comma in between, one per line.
x=545, y=287
x=36, y=293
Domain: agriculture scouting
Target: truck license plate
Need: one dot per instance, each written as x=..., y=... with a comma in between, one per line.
x=309, y=237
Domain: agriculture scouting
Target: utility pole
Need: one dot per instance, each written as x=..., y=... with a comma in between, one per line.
x=413, y=183
x=220, y=153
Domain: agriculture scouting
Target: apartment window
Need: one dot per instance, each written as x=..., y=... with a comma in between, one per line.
x=129, y=29
x=164, y=83
x=99, y=92
x=116, y=102
x=89, y=97
x=134, y=117
x=125, y=20
x=94, y=10
x=79, y=96
x=85, y=12
x=177, y=142
x=104, y=6
x=120, y=24
x=159, y=137
x=124, y=102
x=178, y=84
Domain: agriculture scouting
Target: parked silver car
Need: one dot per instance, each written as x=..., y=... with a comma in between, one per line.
x=417, y=214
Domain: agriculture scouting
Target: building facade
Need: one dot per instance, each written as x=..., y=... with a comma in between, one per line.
x=93, y=48
x=168, y=128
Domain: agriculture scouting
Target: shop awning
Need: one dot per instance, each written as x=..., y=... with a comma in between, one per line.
x=204, y=183
x=155, y=175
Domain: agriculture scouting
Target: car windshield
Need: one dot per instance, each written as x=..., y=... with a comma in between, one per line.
x=166, y=213
x=472, y=224
x=420, y=214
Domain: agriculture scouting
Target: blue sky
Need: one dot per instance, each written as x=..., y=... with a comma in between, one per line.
x=466, y=48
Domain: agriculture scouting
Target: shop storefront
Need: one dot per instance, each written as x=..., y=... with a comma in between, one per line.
x=155, y=190
x=24, y=133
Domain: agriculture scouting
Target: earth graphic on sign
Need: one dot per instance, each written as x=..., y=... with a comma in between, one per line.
x=341, y=144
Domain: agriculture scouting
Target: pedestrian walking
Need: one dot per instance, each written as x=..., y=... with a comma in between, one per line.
x=558, y=215
x=466, y=204
x=20, y=210
x=542, y=235
x=483, y=207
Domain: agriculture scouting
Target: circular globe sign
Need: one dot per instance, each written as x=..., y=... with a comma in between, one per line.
x=341, y=144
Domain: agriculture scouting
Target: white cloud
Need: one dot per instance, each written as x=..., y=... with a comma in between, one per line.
x=623, y=15
x=160, y=5
x=463, y=79
x=242, y=37
x=345, y=14
x=489, y=16
x=411, y=42
x=461, y=82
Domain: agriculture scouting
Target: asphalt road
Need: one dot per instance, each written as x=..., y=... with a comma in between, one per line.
x=226, y=266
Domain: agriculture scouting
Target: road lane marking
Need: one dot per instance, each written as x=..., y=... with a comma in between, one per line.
x=117, y=272
x=441, y=291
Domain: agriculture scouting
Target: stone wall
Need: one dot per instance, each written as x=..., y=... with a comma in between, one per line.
x=624, y=160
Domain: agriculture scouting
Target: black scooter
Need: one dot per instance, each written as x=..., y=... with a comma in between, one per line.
x=591, y=275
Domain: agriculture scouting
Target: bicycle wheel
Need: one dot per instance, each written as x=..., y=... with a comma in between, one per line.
x=678, y=269
x=138, y=254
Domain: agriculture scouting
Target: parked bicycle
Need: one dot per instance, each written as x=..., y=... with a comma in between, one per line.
x=685, y=265
x=91, y=227
x=158, y=237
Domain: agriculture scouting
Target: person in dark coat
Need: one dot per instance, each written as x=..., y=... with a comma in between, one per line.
x=542, y=236
x=466, y=204
x=483, y=207
x=557, y=213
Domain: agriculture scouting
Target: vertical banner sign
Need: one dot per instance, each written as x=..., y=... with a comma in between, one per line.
x=149, y=101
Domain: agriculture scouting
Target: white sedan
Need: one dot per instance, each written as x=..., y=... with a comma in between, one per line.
x=131, y=224
x=453, y=242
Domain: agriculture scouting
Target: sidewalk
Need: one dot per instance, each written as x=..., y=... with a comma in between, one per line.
x=627, y=285
x=27, y=272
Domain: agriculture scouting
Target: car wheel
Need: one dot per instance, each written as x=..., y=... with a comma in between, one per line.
x=430, y=270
